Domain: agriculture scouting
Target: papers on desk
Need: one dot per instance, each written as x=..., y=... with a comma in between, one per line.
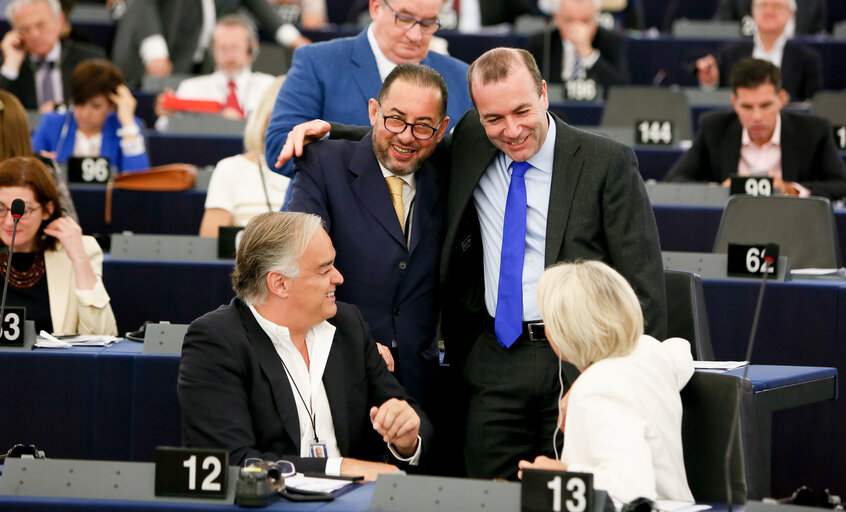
x=718, y=366
x=46, y=340
x=309, y=483
x=679, y=506
x=819, y=273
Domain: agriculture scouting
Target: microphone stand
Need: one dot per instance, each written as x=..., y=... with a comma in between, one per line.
x=17, y=212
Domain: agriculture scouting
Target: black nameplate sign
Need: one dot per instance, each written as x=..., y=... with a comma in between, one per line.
x=748, y=260
x=654, y=132
x=191, y=472
x=751, y=186
x=227, y=241
x=581, y=89
x=88, y=169
x=556, y=491
x=12, y=334
x=840, y=136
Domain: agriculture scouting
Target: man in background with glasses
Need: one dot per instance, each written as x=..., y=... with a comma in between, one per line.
x=383, y=205
x=333, y=80
x=286, y=372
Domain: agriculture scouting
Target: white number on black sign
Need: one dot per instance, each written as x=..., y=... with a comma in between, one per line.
x=209, y=463
x=95, y=170
x=754, y=260
x=581, y=90
x=11, y=327
x=840, y=136
x=577, y=501
x=760, y=187
x=655, y=132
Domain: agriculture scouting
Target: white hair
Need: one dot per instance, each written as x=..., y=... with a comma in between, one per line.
x=55, y=7
x=790, y=3
x=554, y=5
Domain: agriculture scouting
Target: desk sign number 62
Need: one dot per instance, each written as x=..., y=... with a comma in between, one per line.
x=558, y=491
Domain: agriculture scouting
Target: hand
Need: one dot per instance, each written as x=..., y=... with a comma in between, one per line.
x=707, y=71
x=300, y=41
x=160, y=110
x=540, y=462
x=47, y=107
x=124, y=104
x=313, y=20
x=231, y=113
x=48, y=154
x=385, y=352
x=398, y=424
x=159, y=67
x=369, y=470
x=581, y=34
x=299, y=136
x=69, y=234
x=788, y=188
x=12, y=48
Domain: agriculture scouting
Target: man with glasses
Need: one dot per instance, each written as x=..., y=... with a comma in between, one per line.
x=383, y=205
x=334, y=80
x=801, y=67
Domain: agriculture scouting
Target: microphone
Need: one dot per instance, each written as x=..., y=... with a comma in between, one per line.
x=18, y=207
x=769, y=260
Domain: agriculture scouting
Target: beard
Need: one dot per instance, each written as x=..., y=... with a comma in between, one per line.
x=382, y=150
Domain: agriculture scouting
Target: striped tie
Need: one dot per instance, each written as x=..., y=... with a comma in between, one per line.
x=395, y=186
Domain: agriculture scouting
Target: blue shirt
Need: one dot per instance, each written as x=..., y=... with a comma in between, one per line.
x=490, y=197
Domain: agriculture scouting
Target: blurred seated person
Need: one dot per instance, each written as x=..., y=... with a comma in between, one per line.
x=622, y=416
x=758, y=138
x=234, y=47
x=312, y=12
x=36, y=63
x=242, y=186
x=101, y=122
x=161, y=37
x=801, y=67
x=579, y=48
x=56, y=272
x=472, y=15
x=810, y=16
x=285, y=372
x=15, y=140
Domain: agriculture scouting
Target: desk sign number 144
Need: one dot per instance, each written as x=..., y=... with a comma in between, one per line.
x=556, y=491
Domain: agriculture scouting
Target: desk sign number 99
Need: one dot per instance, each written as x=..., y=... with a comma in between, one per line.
x=191, y=472
x=556, y=491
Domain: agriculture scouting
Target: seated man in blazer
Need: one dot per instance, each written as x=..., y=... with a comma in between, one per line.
x=284, y=371
x=796, y=150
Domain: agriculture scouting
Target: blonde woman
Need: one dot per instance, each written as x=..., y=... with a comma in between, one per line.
x=242, y=186
x=622, y=416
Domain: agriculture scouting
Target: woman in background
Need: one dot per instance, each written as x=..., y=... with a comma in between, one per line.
x=622, y=416
x=102, y=121
x=243, y=186
x=56, y=271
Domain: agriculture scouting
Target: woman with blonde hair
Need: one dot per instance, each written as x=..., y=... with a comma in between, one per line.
x=243, y=186
x=622, y=417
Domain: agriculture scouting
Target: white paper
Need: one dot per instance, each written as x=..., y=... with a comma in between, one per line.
x=47, y=340
x=718, y=366
x=679, y=506
x=310, y=483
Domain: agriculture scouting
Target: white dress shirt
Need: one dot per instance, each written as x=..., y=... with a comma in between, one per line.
x=384, y=64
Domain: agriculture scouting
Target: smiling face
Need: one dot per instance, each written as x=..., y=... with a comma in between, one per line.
x=30, y=223
x=402, y=153
x=513, y=114
x=311, y=295
x=38, y=26
x=758, y=109
x=400, y=45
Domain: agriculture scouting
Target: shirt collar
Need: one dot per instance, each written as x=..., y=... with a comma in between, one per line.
x=240, y=78
x=384, y=64
x=775, y=140
x=54, y=55
x=280, y=334
x=409, y=179
x=778, y=47
x=544, y=158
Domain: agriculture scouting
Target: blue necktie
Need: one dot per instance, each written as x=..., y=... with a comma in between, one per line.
x=509, y=300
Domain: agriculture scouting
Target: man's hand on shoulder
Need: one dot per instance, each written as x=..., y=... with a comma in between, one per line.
x=398, y=424
x=299, y=136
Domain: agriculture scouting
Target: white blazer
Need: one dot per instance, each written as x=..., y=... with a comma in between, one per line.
x=75, y=311
x=624, y=420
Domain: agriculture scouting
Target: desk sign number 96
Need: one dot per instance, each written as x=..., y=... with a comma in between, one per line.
x=12, y=327
x=556, y=491
x=191, y=472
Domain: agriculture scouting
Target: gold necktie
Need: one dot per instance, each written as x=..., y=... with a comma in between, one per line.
x=395, y=186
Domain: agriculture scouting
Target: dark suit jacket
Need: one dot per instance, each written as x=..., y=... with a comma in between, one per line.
x=610, y=69
x=808, y=153
x=72, y=54
x=394, y=284
x=234, y=392
x=801, y=68
x=810, y=14
x=598, y=210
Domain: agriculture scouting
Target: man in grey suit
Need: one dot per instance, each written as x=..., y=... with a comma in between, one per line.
x=582, y=198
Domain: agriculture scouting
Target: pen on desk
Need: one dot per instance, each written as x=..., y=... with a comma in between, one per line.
x=333, y=477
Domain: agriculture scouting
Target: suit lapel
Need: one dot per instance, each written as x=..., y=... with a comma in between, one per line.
x=790, y=157
x=364, y=70
x=334, y=379
x=732, y=140
x=426, y=197
x=272, y=367
x=566, y=169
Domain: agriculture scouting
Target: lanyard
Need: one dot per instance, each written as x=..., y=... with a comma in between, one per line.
x=311, y=415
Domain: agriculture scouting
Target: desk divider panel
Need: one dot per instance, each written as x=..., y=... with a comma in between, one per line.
x=713, y=265
x=164, y=338
x=130, y=246
x=92, y=479
x=412, y=493
x=687, y=194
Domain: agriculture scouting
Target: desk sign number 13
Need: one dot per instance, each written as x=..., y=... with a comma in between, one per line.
x=556, y=491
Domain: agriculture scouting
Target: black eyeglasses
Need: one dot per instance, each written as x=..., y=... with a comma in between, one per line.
x=395, y=124
x=26, y=213
x=406, y=22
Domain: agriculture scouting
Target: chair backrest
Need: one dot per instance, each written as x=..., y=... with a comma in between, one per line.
x=839, y=31
x=804, y=228
x=830, y=105
x=627, y=104
x=211, y=124
x=157, y=84
x=686, y=314
x=706, y=29
x=709, y=401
